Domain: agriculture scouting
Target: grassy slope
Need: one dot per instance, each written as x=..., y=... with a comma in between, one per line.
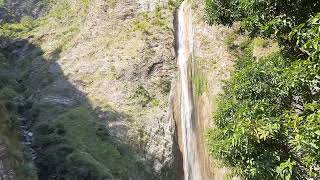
x=61, y=25
x=85, y=140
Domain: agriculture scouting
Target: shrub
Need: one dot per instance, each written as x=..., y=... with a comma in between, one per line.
x=165, y=86
x=307, y=37
x=7, y=93
x=2, y=2
x=174, y=3
x=102, y=132
x=260, y=42
x=229, y=40
x=17, y=30
x=142, y=96
x=200, y=83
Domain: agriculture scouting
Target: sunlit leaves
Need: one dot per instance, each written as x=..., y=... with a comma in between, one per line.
x=307, y=37
x=267, y=124
x=269, y=114
x=285, y=169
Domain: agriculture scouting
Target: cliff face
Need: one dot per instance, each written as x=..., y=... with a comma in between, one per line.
x=114, y=58
x=120, y=56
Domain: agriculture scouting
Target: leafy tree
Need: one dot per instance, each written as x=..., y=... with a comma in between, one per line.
x=272, y=17
x=267, y=125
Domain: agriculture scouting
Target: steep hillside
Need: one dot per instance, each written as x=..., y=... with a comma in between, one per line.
x=94, y=79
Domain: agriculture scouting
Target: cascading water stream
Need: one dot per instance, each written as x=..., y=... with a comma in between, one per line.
x=191, y=165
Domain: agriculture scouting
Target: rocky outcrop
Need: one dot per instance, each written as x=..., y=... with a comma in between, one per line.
x=15, y=10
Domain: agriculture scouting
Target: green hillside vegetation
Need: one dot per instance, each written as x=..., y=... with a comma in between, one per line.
x=76, y=146
x=71, y=143
x=267, y=125
x=17, y=157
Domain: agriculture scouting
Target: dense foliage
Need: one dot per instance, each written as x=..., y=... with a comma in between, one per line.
x=267, y=125
x=272, y=17
x=75, y=147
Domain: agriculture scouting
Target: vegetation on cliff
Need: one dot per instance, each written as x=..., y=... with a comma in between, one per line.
x=69, y=129
x=14, y=156
x=267, y=125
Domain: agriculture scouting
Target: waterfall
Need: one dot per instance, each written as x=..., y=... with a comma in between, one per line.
x=191, y=166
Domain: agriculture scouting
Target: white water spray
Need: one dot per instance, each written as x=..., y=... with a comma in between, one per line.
x=191, y=165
